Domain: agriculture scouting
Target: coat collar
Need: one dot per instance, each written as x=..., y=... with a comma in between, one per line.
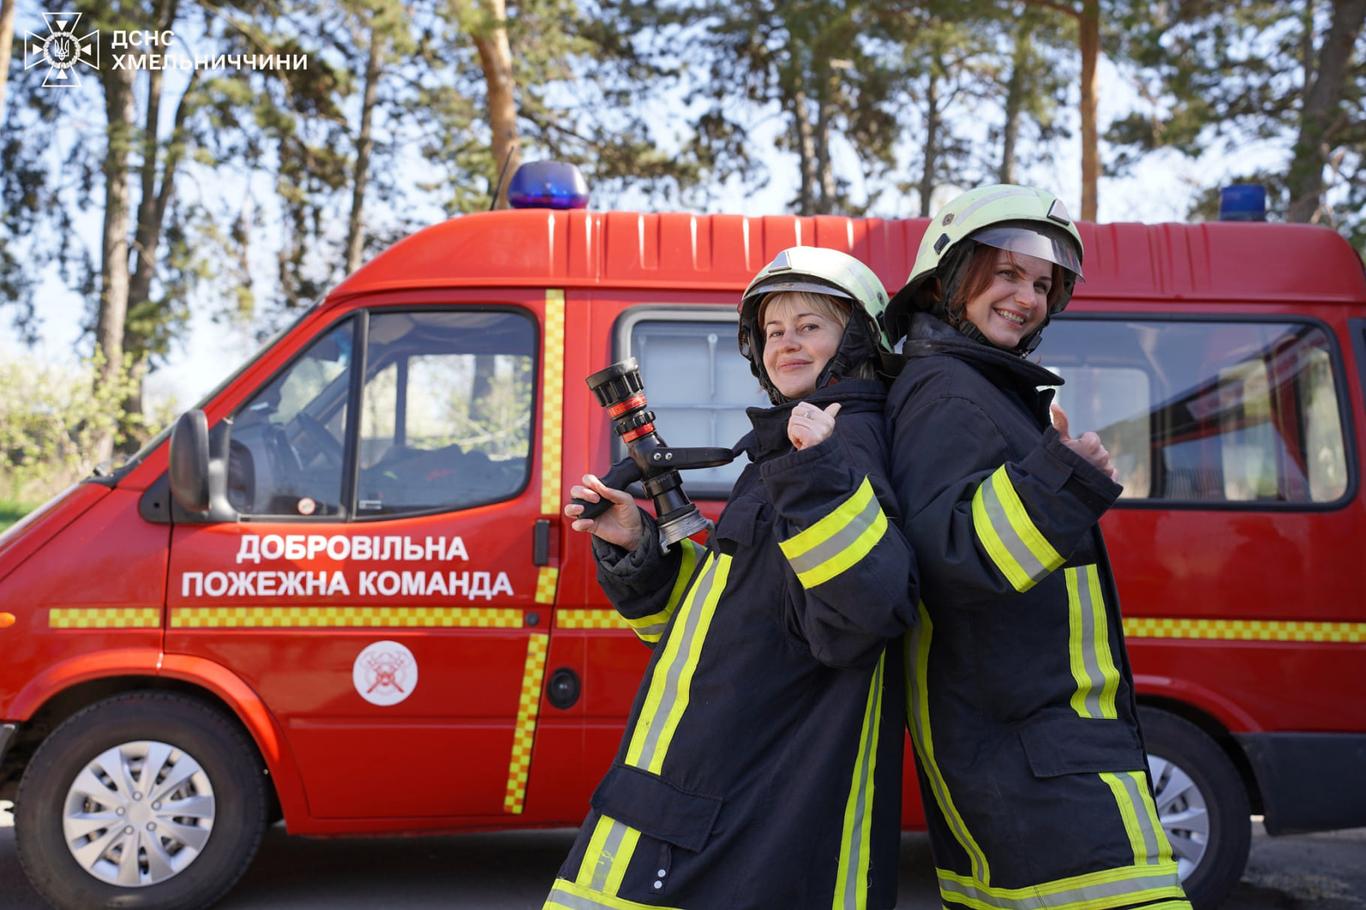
x=931, y=335
x=769, y=435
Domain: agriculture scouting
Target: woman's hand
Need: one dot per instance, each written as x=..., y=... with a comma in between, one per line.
x=809, y=426
x=1088, y=446
x=619, y=525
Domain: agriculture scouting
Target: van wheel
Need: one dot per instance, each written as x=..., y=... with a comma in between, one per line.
x=1202, y=805
x=144, y=800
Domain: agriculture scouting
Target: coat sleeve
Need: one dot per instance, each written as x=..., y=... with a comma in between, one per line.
x=983, y=523
x=852, y=585
x=645, y=584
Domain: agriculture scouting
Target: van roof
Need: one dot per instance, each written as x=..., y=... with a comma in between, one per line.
x=538, y=248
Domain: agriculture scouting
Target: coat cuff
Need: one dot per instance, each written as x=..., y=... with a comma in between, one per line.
x=619, y=561
x=1060, y=468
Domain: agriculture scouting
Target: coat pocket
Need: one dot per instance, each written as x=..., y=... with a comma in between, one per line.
x=1058, y=744
x=655, y=807
x=742, y=520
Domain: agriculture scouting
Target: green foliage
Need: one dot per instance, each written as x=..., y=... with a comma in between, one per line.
x=50, y=418
x=11, y=511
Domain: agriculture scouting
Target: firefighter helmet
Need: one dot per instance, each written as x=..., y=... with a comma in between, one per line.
x=1020, y=219
x=817, y=270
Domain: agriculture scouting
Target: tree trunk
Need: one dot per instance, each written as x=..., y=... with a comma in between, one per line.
x=824, y=170
x=355, y=234
x=931, y=141
x=1090, y=142
x=495, y=56
x=6, y=43
x=113, y=307
x=1317, y=118
x=806, y=153
x=1015, y=89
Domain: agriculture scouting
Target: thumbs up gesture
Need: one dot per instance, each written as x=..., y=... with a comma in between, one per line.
x=808, y=425
x=1088, y=446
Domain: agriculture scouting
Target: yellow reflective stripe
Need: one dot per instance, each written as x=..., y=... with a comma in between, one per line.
x=567, y=895
x=1168, y=905
x=1104, y=657
x=1008, y=535
x=1245, y=629
x=851, y=878
x=341, y=617
x=552, y=402
x=104, y=618
x=1092, y=665
x=1124, y=801
x=918, y=718
x=671, y=681
x=651, y=628
x=839, y=540
x=524, y=733
x=608, y=854
x=1102, y=890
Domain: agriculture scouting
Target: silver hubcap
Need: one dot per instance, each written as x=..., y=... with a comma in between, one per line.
x=1182, y=812
x=138, y=814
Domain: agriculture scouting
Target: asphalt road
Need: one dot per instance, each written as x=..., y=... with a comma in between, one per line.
x=513, y=870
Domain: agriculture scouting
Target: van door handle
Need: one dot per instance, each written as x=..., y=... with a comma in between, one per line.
x=540, y=542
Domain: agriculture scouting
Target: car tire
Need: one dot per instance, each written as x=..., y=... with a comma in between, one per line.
x=1202, y=804
x=187, y=851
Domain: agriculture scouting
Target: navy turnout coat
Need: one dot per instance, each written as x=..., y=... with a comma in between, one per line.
x=762, y=760
x=1020, y=697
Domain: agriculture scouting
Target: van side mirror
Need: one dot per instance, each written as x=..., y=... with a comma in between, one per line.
x=199, y=468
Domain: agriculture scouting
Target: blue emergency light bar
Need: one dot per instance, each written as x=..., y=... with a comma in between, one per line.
x=1242, y=202
x=548, y=185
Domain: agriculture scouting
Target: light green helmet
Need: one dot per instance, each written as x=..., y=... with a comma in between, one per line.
x=818, y=270
x=1020, y=219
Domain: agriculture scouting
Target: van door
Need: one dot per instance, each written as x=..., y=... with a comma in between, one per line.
x=380, y=591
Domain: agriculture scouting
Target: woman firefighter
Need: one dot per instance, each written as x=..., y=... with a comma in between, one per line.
x=762, y=760
x=1020, y=698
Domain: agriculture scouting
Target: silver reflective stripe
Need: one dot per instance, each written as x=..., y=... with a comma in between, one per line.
x=1081, y=896
x=609, y=853
x=988, y=200
x=1010, y=538
x=659, y=720
x=1088, y=642
x=574, y=902
x=853, y=882
x=656, y=629
x=1145, y=822
x=839, y=541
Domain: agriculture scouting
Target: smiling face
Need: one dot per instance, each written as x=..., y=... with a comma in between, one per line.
x=801, y=333
x=1014, y=302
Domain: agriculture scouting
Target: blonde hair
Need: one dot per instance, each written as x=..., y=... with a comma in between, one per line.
x=820, y=304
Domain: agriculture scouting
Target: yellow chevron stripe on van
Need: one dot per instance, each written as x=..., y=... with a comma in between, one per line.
x=1351, y=633
x=589, y=619
x=552, y=402
x=104, y=617
x=524, y=734
x=344, y=617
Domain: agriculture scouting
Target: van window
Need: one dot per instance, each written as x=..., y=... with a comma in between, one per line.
x=446, y=412
x=285, y=455
x=698, y=386
x=1206, y=412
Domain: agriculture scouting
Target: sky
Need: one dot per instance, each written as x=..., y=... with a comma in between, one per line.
x=1159, y=189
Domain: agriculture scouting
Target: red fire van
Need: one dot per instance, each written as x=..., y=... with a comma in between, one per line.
x=351, y=601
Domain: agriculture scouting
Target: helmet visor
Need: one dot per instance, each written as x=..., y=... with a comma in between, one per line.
x=1031, y=240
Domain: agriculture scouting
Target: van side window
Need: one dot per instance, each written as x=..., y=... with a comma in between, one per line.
x=698, y=386
x=446, y=412
x=285, y=456
x=1206, y=412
